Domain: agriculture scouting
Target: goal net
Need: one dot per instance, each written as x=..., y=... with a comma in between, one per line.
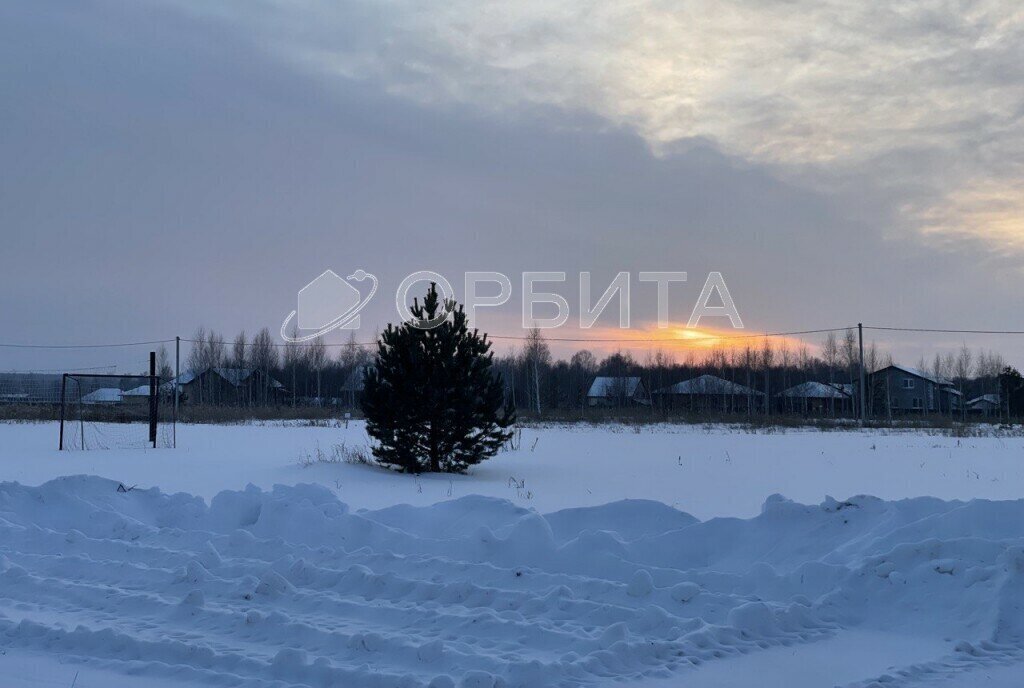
x=114, y=412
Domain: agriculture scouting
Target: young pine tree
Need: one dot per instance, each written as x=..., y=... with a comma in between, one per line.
x=431, y=400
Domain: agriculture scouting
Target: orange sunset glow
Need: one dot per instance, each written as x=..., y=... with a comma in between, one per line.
x=676, y=340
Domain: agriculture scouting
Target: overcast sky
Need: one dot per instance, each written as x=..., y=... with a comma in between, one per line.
x=165, y=164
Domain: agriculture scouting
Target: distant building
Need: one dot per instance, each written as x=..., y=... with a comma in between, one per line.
x=985, y=405
x=104, y=396
x=709, y=392
x=617, y=391
x=815, y=398
x=909, y=390
x=228, y=386
x=844, y=387
x=140, y=394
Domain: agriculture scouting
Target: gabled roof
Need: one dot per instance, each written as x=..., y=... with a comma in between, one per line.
x=986, y=398
x=710, y=384
x=814, y=390
x=140, y=391
x=916, y=372
x=605, y=386
x=103, y=395
x=185, y=378
x=233, y=376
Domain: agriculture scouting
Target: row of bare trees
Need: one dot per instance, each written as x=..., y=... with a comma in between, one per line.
x=537, y=383
x=310, y=373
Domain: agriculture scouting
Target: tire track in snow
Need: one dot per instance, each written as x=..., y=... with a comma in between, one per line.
x=288, y=587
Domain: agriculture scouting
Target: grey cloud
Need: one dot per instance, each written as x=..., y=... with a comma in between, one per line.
x=166, y=169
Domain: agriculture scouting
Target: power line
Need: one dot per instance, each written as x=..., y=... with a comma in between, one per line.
x=285, y=345
x=84, y=346
x=941, y=331
x=70, y=369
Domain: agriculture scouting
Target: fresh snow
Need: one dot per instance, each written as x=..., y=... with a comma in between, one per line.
x=704, y=471
x=589, y=556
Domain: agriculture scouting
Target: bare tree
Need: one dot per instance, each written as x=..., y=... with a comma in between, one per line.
x=767, y=361
x=582, y=368
x=941, y=368
x=263, y=357
x=214, y=358
x=849, y=351
x=962, y=367
x=536, y=355
x=785, y=364
x=316, y=359
x=871, y=365
x=352, y=354
x=292, y=361
x=163, y=364
x=584, y=361
x=239, y=351
x=830, y=354
x=196, y=360
x=749, y=362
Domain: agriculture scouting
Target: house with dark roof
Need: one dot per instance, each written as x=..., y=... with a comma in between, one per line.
x=104, y=396
x=815, y=398
x=617, y=391
x=903, y=389
x=710, y=392
x=231, y=386
x=984, y=405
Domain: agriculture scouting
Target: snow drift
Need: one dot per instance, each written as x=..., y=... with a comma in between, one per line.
x=290, y=587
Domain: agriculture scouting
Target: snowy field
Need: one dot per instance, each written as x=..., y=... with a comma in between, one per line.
x=705, y=472
x=530, y=572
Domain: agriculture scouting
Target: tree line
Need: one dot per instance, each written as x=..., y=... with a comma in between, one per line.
x=537, y=384
x=309, y=372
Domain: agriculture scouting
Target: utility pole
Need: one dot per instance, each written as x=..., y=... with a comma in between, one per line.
x=63, y=388
x=177, y=374
x=154, y=390
x=863, y=380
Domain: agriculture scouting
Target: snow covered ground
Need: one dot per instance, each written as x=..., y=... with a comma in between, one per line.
x=364, y=578
x=705, y=472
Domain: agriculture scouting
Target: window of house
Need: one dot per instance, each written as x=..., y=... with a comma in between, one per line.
x=908, y=383
x=917, y=402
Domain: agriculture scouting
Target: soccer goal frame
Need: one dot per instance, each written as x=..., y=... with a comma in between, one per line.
x=153, y=401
